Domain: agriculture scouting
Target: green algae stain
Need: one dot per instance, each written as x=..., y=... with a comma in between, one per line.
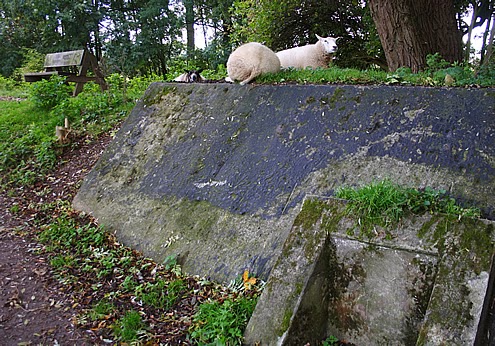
x=156, y=92
x=310, y=100
x=288, y=312
x=477, y=238
x=285, y=322
x=310, y=214
x=465, y=246
x=472, y=236
x=198, y=217
x=338, y=93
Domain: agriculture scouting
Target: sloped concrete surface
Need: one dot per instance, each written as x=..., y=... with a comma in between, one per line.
x=217, y=173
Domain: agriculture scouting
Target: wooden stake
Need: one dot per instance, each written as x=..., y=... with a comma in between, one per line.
x=62, y=133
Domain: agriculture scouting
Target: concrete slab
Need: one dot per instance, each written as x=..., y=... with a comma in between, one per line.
x=376, y=291
x=216, y=173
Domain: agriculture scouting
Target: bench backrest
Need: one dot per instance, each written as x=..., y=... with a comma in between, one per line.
x=63, y=59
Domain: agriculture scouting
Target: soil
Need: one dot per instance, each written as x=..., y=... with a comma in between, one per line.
x=35, y=309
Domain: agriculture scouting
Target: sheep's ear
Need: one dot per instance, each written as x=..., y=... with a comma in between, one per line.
x=318, y=37
x=200, y=70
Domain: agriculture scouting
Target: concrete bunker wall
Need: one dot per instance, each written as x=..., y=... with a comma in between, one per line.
x=216, y=173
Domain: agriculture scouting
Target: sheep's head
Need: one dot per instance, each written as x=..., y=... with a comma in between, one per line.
x=190, y=76
x=329, y=44
x=194, y=76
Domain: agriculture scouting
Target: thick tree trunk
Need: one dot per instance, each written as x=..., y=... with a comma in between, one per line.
x=409, y=30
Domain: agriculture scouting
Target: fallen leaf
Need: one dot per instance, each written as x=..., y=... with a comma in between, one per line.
x=248, y=282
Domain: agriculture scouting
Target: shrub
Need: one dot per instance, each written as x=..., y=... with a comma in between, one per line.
x=92, y=111
x=47, y=94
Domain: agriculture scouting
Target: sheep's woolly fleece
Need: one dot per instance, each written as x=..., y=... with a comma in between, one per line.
x=312, y=55
x=251, y=60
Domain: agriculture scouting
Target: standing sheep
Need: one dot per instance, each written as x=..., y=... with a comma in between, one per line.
x=312, y=55
x=251, y=60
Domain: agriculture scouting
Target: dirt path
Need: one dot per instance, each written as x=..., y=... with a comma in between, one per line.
x=34, y=307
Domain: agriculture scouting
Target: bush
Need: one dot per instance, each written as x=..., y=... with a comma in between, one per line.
x=7, y=84
x=47, y=94
x=92, y=111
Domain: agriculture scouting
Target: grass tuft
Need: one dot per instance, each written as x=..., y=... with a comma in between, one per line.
x=384, y=203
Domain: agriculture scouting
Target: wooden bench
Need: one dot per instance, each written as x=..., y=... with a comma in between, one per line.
x=74, y=65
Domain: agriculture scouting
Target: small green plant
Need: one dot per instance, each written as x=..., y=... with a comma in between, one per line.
x=61, y=261
x=170, y=263
x=130, y=327
x=15, y=209
x=160, y=294
x=101, y=310
x=64, y=233
x=331, y=341
x=222, y=323
x=436, y=62
x=385, y=203
x=129, y=284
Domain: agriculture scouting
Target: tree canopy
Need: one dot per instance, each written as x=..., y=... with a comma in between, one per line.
x=146, y=36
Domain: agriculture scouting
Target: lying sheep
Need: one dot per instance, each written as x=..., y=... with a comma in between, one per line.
x=312, y=55
x=190, y=76
x=249, y=61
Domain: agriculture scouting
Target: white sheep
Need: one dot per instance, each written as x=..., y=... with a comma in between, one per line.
x=251, y=60
x=312, y=55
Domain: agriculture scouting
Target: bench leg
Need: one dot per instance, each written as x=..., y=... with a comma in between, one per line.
x=78, y=89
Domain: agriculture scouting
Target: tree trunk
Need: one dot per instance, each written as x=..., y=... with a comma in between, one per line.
x=189, y=5
x=409, y=30
x=489, y=50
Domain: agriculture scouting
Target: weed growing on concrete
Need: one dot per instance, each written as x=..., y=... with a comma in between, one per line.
x=375, y=204
x=384, y=203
